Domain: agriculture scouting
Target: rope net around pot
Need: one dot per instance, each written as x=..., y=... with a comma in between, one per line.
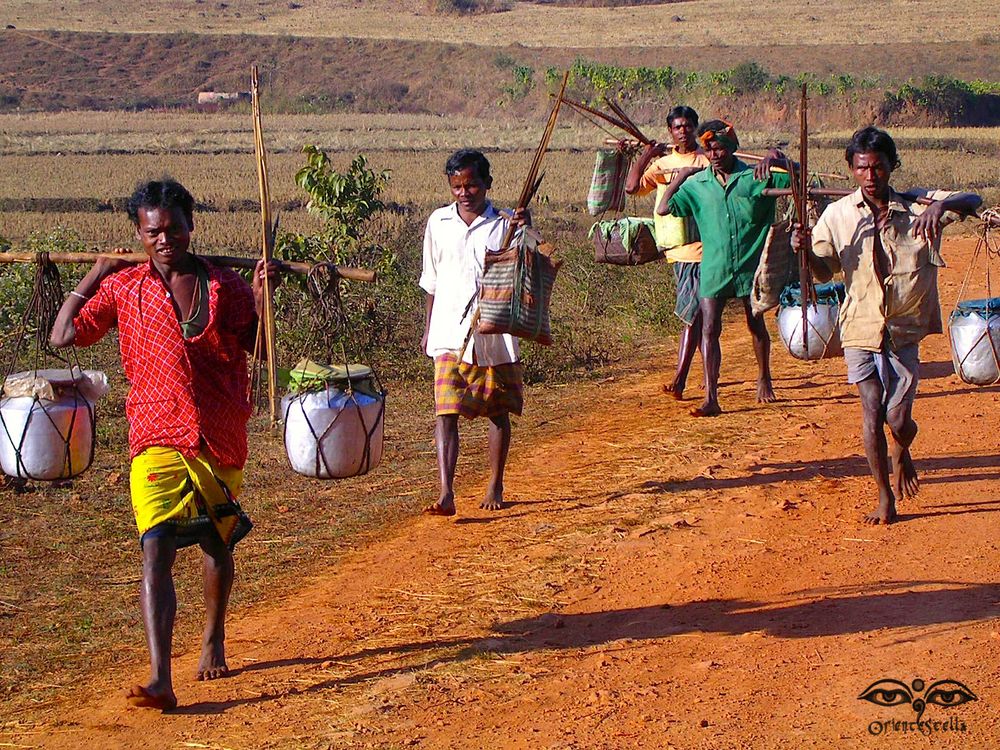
x=53, y=404
x=974, y=324
x=329, y=328
x=822, y=321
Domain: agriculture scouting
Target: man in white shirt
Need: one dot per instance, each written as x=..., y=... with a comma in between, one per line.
x=488, y=379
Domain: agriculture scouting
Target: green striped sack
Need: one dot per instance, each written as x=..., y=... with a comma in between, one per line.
x=607, y=187
x=516, y=290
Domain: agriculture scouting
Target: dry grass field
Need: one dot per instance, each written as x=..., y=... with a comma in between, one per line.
x=705, y=22
x=99, y=156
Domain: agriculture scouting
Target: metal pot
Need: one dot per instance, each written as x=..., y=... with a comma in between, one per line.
x=822, y=331
x=975, y=343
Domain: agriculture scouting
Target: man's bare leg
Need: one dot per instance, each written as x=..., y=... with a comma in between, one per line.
x=159, y=607
x=903, y=430
x=689, y=344
x=446, y=438
x=217, y=574
x=762, y=351
x=499, y=441
x=876, y=450
x=711, y=355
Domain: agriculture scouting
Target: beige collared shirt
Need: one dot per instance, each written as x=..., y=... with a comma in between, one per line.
x=907, y=306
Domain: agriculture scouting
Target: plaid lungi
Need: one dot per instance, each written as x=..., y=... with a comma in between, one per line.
x=474, y=391
x=687, y=276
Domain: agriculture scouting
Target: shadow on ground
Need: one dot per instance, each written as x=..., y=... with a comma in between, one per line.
x=809, y=613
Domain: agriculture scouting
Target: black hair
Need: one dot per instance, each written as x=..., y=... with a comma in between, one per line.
x=681, y=111
x=715, y=126
x=470, y=157
x=872, y=139
x=163, y=193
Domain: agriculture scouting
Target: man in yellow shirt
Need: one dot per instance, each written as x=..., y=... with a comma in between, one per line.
x=677, y=236
x=888, y=247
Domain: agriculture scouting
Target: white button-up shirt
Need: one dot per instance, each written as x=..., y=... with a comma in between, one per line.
x=454, y=254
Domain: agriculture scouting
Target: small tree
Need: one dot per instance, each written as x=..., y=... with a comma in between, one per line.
x=353, y=315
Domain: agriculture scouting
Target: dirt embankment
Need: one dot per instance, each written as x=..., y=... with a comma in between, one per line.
x=67, y=70
x=658, y=582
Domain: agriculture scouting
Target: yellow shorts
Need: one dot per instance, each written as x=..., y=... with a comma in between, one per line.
x=188, y=494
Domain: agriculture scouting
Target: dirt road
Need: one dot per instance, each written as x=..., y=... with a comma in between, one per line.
x=658, y=582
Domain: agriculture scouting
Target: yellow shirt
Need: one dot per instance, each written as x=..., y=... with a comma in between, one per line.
x=678, y=236
x=907, y=304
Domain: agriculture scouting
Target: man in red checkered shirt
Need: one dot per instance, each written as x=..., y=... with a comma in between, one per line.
x=184, y=327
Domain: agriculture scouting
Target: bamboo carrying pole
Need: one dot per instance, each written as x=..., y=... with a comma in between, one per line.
x=229, y=261
x=832, y=193
x=267, y=251
x=531, y=182
x=807, y=293
x=745, y=155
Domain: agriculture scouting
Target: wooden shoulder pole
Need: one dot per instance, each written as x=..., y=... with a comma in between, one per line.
x=267, y=251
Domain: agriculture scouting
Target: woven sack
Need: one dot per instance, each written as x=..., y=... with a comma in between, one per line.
x=516, y=290
x=778, y=268
x=607, y=187
x=625, y=242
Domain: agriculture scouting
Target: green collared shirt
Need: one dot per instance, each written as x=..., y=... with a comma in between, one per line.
x=733, y=222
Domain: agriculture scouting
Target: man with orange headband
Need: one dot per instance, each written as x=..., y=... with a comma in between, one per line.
x=733, y=217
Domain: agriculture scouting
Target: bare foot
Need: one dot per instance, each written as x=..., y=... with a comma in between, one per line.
x=884, y=514
x=674, y=390
x=707, y=409
x=905, y=482
x=152, y=696
x=445, y=506
x=212, y=665
x=765, y=392
x=493, y=499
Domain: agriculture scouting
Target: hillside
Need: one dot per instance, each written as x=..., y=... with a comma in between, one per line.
x=97, y=70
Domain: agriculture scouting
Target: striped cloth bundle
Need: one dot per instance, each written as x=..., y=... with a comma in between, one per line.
x=516, y=289
x=607, y=187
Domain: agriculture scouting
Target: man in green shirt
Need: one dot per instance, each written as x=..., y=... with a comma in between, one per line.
x=733, y=217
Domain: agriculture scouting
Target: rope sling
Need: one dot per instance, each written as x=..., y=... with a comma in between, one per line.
x=974, y=324
x=63, y=391
x=619, y=240
x=360, y=384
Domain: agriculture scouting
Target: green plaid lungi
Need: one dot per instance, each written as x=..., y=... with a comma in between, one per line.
x=687, y=276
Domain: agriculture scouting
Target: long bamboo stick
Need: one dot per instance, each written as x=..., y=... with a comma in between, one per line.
x=831, y=193
x=531, y=182
x=745, y=155
x=807, y=293
x=267, y=251
x=229, y=261
x=616, y=122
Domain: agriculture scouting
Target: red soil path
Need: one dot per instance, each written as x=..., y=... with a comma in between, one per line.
x=659, y=582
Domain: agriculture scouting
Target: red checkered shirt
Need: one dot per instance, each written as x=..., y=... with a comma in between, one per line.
x=186, y=393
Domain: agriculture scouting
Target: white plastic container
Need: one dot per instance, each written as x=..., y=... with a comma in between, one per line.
x=331, y=435
x=974, y=331
x=44, y=439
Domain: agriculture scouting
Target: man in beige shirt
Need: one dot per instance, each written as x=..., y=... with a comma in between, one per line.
x=888, y=247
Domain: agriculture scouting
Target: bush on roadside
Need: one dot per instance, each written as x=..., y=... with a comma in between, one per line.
x=469, y=7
